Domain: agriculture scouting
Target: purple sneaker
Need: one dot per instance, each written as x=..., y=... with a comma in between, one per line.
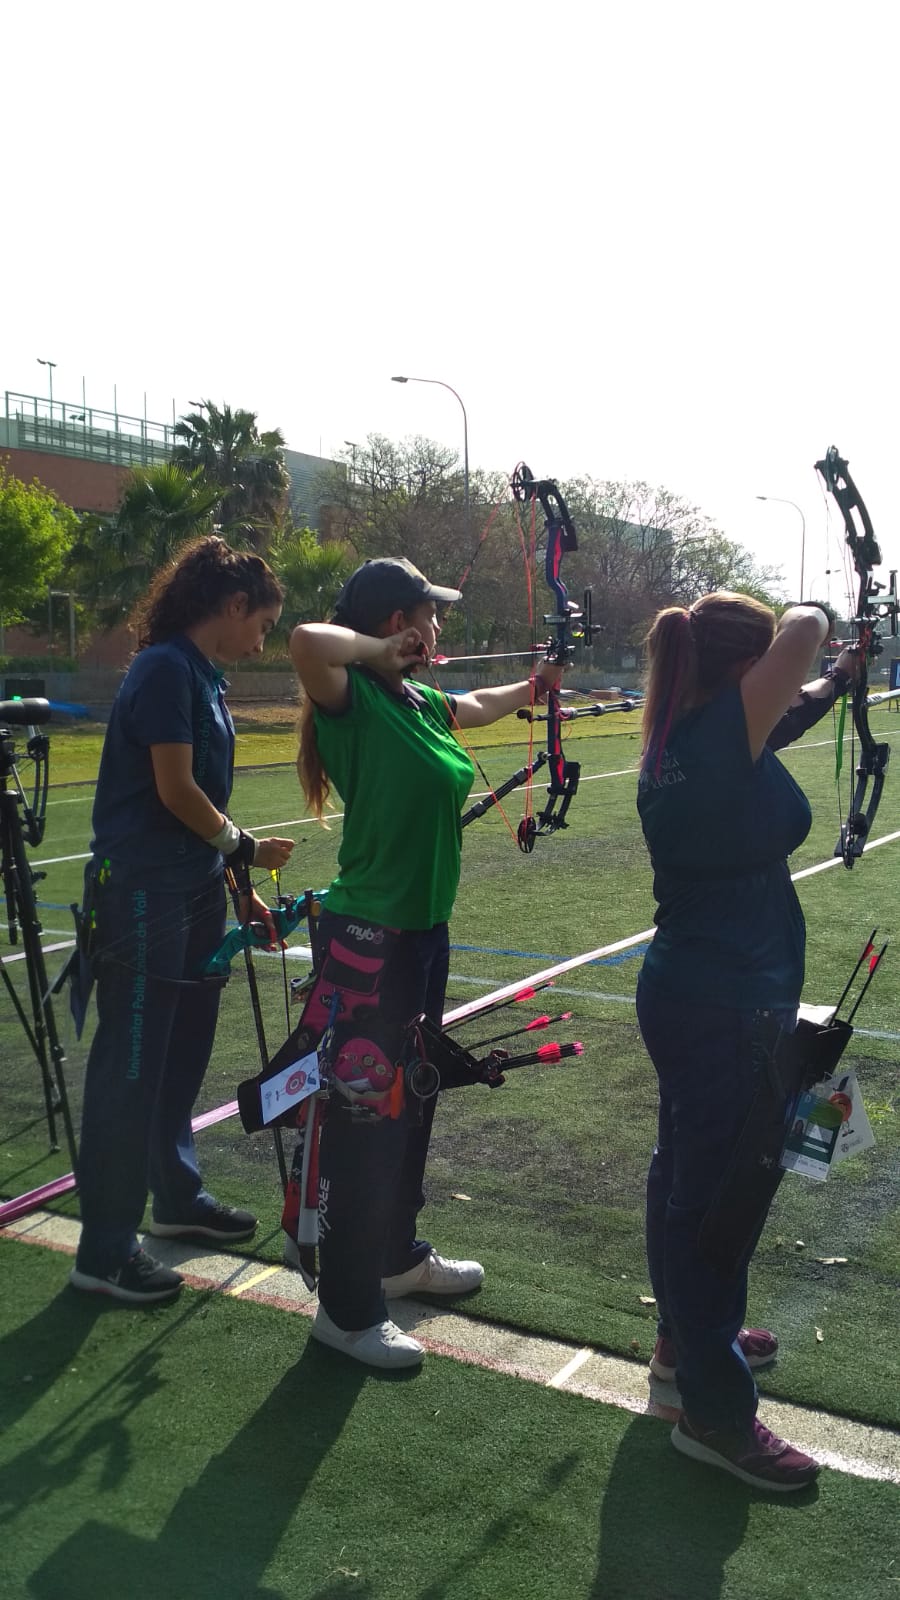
x=758, y=1345
x=754, y=1455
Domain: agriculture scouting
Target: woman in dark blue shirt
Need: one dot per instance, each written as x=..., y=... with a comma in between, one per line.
x=720, y=816
x=155, y=904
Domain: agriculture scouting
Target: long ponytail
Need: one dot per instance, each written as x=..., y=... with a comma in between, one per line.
x=690, y=656
x=313, y=777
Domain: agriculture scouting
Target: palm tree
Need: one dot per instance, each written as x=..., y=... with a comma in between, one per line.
x=162, y=508
x=246, y=466
x=312, y=574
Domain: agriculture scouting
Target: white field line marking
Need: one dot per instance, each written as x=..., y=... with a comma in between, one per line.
x=45, y=1231
x=510, y=989
x=477, y=794
x=564, y=1373
x=48, y=949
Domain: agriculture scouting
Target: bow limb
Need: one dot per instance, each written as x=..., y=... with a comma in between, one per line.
x=287, y=916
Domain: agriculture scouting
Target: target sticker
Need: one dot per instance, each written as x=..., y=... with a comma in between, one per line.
x=289, y=1086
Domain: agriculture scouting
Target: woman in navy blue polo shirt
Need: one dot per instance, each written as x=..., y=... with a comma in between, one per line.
x=720, y=815
x=155, y=900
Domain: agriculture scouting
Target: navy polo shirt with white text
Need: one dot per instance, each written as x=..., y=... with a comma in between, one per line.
x=171, y=694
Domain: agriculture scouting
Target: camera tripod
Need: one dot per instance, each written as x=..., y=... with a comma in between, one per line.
x=22, y=822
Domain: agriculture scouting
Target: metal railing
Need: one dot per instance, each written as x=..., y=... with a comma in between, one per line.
x=33, y=423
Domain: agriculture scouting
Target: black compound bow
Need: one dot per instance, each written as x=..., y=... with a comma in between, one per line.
x=876, y=607
x=568, y=622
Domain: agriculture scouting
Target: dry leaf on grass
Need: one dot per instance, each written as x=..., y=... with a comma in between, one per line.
x=820, y=1337
x=460, y=1197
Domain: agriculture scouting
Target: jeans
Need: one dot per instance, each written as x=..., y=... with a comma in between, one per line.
x=708, y=1070
x=371, y=1172
x=147, y=1062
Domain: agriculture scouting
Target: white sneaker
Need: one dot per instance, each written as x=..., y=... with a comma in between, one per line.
x=383, y=1345
x=435, y=1275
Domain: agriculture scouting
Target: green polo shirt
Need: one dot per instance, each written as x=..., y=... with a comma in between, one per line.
x=403, y=778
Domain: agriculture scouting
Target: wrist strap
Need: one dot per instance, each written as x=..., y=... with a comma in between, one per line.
x=235, y=845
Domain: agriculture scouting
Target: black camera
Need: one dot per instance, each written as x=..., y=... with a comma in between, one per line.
x=24, y=713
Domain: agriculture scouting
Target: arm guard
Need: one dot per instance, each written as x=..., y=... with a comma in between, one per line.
x=812, y=708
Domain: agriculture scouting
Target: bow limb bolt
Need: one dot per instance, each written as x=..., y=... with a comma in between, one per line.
x=877, y=606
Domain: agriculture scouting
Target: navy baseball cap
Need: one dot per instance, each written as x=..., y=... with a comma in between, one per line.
x=379, y=588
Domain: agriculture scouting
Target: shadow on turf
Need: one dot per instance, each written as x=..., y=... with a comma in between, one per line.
x=225, y=1529
x=668, y=1527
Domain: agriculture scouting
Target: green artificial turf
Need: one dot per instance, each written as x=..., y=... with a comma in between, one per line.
x=553, y=1163
x=208, y=1449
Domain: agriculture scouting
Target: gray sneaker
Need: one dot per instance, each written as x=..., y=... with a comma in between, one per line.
x=382, y=1345
x=142, y=1281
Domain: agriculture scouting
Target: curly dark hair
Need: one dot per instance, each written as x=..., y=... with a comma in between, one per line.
x=195, y=586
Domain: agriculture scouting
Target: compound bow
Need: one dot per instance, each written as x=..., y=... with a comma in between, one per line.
x=869, y=619
x=568, y=622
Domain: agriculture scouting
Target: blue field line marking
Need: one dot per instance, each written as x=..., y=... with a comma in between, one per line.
x=538, y=955
x=302, y=953
x=473, y=949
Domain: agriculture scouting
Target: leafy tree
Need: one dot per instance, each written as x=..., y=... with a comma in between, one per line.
x=162, y=508
x=639, y=547
x=408, y=500
x=36, y=532
x=642, y=548
x=245, y=465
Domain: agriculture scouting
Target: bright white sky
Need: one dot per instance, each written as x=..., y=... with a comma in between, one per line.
x=645, y=240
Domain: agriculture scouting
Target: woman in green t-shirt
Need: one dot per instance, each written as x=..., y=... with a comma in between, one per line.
x=387, y=746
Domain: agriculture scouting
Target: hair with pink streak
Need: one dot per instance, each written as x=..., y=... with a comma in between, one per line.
x=691, y=655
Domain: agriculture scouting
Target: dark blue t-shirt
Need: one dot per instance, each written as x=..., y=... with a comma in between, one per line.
x=171, y=694
x=720, y=827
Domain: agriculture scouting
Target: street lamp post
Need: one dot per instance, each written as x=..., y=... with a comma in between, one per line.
x=468, y=521
x=779, y=500
x=441, y=385
x=50, y=365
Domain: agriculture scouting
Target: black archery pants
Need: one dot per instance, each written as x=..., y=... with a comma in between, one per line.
x=371, y=1171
